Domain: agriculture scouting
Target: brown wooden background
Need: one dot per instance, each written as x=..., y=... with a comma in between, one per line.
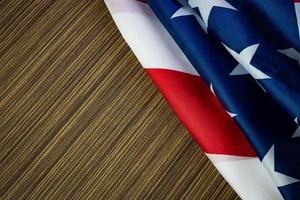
x=79, y=119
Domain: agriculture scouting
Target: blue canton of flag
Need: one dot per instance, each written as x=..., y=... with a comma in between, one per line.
x=247, y=53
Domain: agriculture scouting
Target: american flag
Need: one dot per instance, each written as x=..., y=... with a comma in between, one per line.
x=230, y=71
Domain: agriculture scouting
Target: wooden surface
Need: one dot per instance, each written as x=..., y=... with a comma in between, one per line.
x=79, y=119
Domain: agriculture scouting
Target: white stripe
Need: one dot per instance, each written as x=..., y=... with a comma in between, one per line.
x=150, y=41
x=247, y=176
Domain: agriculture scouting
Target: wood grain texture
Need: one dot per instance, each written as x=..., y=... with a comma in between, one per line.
x=79, y=118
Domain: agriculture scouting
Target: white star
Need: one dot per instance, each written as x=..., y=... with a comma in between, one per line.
x=205, y=7
x=186, y=10
x=297, y=132
x=279, y=178
x=239, y=70
x=232, y=115
x=245, y=57
x=183, y=11
x=292, y=53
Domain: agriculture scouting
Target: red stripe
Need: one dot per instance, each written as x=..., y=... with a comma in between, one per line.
x=297, y=1
x=201, y=113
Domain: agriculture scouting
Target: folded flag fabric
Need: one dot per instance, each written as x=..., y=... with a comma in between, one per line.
x=268, y=126
x=247, y=126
